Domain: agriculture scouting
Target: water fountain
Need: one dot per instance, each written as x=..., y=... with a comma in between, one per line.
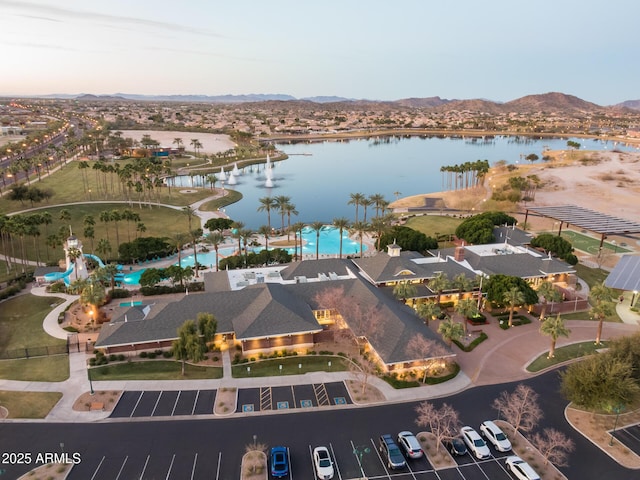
x=222, y=177
x=232, y=179
x=236, y=170
x=268, y=173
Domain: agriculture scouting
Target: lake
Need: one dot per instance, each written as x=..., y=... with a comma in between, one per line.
x=320, y=176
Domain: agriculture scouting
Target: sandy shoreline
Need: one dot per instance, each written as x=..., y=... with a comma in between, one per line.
x=211, y=142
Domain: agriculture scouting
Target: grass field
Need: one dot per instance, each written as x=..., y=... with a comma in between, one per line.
x=29, y=404
x=434, y=225
x=290, y=366
x=562, y=354
x=54, y=368
x=21, y=322
x=154, y=370
x=589, y=244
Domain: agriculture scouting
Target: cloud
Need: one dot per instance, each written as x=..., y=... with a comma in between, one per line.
x=45, y=12
x=43, y=45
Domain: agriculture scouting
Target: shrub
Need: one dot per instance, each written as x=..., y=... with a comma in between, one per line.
x=113, y=357
x=152, y=355
x=167, y=354
x=445, y=378
x=144, y=354
x=481, y=338
x=121, y=357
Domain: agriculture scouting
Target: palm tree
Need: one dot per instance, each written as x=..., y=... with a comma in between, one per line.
x=266, y=205
x=378, y=200
x=317, y=227
x=190, y=213
x=245, y=235
x=105, y=217
x=290, y=209
x=178, y=142
x=212, y=179
x=365, y=203
x=604, y=306
x=513, y=298
x=196, y=233
x=236, y=227
x=195, y=143
x=215, y=239
x=554, y=328
x=356, y=199
x=342, y=224
x=450, y=330
x=404, y=289
x=265, y=231
x=462, y=283
x=281, y=202
x=438, y=284
x=110, y=271
x=178, y=240
x=547, y=293
x=297, y=227
x=359, y=229
x=381, y=225
x=103, y=248
x=428, y=311
x=74, y=253
x=467, y=308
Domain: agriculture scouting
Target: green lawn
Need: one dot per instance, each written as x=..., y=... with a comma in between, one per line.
x=29, y=404
x=154, y=370
x=231, y=196
x=593, y=276
x=290, y=366
x=54, y=368
x=436, y=226
x=21, y=320
x=563, y=354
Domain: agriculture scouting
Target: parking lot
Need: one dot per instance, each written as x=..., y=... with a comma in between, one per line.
x=164, y=403
x=292, y=396
x=373, y=466
x=201, y=465
x=630, y=437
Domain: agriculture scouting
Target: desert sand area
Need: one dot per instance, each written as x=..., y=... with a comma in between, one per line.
x=211, y=142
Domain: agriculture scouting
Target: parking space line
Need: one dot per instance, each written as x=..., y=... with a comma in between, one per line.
x=265, y=398
x=289, y=462
x=176, y=404
x=170, y=467
x=335, y=462
x=146, y=462
x=136, y=405
x=156, y=405
x=410, y=469
x=321, y=394
x=293, y=394
x=375, y=447
x=218, y=469
x=97, y=468
x=313, y=466
x=122, y=467
x=195, y=403
x=193, y=470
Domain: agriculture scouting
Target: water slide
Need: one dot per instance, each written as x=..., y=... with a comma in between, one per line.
x=96, y=258
x=55, y=276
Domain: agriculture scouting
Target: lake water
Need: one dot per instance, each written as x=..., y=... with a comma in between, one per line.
x=320, y=183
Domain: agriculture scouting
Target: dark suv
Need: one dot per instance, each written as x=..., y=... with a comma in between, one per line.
x=391, y=453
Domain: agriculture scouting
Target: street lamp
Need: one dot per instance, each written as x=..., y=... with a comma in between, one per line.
x=90, y=382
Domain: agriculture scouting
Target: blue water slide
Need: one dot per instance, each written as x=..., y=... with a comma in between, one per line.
x=96, y=258
x=55, y=276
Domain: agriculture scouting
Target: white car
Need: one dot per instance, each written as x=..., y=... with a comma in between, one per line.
x=475, y=443
x=521, y=469
x=492, y=432
x=409, y=443
x=323, y=463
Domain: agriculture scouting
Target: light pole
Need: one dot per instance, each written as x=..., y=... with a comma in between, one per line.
x=90, y=382
x=617, y=409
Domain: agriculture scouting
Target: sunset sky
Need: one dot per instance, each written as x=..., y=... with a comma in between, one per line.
x=497, y=49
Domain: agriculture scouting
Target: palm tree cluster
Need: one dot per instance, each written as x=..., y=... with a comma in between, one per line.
x=465, y=175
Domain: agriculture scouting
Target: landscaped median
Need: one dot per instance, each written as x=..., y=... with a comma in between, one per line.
x=153, y=370
x=292, y=365
x=565, y=354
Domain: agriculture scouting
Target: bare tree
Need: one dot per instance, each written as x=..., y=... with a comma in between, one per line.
x=443, y=422
x=427, y=350
x=520, y=408
x=254, y=461
x=554, y=446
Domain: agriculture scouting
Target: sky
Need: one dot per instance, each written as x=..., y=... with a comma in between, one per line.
x=367, y=49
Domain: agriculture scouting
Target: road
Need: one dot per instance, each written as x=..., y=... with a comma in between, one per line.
x=212, y=448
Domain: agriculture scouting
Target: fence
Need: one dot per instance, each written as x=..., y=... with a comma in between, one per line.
x=72, y=345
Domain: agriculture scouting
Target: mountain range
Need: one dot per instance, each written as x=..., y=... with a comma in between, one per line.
x=550, y=102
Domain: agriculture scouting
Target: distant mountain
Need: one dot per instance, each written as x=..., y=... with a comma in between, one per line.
x=422, y=102
x=208, y=98
x=632, y=104
x=90, y=97
x=327, y=99
x=475, y=105
x=553, y=101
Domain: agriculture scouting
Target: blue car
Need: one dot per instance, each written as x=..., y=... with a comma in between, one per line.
x=279, y=462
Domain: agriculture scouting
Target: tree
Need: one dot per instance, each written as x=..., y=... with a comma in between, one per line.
x=342, y=224
x=103, y=248
x=266, y=205
x=426, y=350
x=74, y=254
x=554, y=446
x=443, y=422
x=604, y=307
x=190, y=214
x=497, y=285
x=317, y=227
x=437, y=284
x=554, y=328
x=520, y=408
x=407, y=238
x=404, y=289
x=265, y=231
x=513, y=298
x=450, y=330
x=193, y=336
x=428, y=311
x=359, y=229
x=281, y=202
x=356, y=199
x=215, y=239
x=297, y=232
x=598, y=382
x=547, y=293
x=466, y=308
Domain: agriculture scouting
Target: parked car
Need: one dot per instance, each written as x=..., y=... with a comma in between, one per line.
x=279, y=461
x=456, y=446
x=475, y=443
x=410, y=445
x=521, y=469
x=391, y=453
x=323, y=463
x=492, y=432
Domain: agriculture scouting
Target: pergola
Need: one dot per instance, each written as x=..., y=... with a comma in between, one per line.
x=586, y=219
